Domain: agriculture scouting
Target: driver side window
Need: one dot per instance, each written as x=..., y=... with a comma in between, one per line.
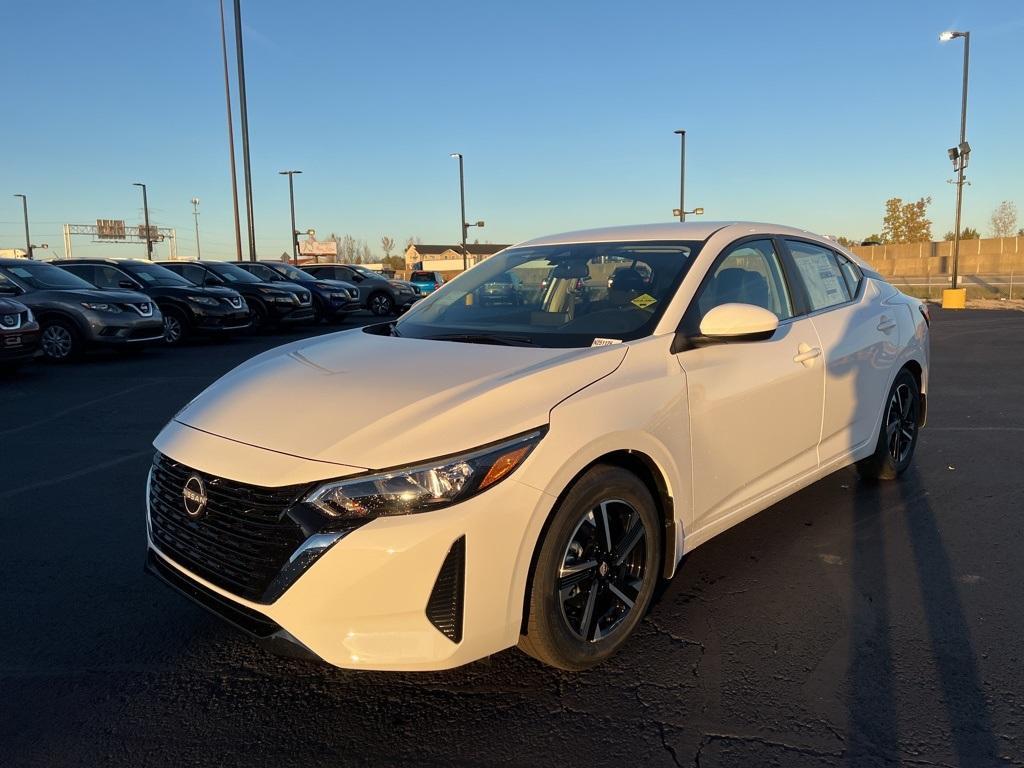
x=750, y=273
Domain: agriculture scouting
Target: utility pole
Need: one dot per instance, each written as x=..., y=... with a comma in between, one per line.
x=145, y=213
x=959, y=155
x=244, y=114
x=28, y=238
x=462, y=204
x=231, y=136
x=195, y=215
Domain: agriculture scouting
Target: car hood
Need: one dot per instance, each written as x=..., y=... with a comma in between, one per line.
x=92, y=295
x=370, y=401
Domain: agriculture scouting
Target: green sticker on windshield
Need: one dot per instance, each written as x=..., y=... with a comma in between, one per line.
x=644, y=301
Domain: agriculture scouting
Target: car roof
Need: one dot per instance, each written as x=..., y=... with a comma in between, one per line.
x=674, y=230
x=111, y=262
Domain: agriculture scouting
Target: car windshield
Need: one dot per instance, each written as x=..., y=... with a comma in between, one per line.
x=233, y=274
x=154, y=274
x=556, y=295
x=291, y=273
x=367, y=272
x=45, y=276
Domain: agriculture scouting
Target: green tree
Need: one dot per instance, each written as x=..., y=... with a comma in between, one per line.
x=967, y=233
x=906, y=222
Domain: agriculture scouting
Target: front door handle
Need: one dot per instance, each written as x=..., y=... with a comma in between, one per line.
x=806, y=354
x=885, y=324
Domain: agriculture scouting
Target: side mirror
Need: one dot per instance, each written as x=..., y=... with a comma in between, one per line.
x=738, y=322
x=211, y=280
x=9, y=289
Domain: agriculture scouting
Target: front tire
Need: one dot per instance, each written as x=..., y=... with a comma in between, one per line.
x=175, y=327
x=382, y=305
x=596, y=570
x=897, y=437
x=60, y=341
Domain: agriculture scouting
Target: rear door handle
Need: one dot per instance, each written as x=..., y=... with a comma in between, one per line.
x=885, y=324
x=806, y=353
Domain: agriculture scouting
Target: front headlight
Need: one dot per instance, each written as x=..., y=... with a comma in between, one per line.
x=339, y=296
x=29, y=317
x=432, y=485
x=206, y=301
x=113, y=308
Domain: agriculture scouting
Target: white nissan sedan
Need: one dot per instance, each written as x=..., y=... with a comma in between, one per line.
x=521, y=466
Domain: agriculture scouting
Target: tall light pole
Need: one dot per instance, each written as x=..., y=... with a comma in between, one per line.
x=959, y=154
x=244, y=114
x=195, y=215
x=682, y=174
x=291, y=199
x=231, y=135
x=28, y=238
x=145, y=213
x=462, y=202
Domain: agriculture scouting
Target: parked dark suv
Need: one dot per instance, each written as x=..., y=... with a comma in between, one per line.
x=19, y=333
x=376, y=292
x=187, y=308
x=270, y=303
x=332, y=299
x=74, y=315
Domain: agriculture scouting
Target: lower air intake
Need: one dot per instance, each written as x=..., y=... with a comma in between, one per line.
x=444, y=608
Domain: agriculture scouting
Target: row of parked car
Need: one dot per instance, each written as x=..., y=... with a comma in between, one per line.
x=62, y=308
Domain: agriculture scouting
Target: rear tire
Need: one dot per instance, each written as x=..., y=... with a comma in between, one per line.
x=60, y=341
x=595, y=572
x=897, y=437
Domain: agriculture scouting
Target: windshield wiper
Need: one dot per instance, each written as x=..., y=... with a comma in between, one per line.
x=485, y=338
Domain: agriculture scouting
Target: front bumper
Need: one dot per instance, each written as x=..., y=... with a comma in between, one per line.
x=19, y=345
x=290, y=313
x=363, y=604
x=125, y=330
x=220, y=321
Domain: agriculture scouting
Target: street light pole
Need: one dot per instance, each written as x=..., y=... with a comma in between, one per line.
x=462, y=204
x=231, y=135
x=682, y=174
x=291, y=198
x=244, y=114
x=195, y=215
x=28, y=238
x=961, y=158
x=145, y=213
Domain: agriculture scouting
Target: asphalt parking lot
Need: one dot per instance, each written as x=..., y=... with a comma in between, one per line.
x=848, y=625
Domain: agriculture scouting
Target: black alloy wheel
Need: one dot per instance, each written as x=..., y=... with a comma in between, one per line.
x=382, y=305
x=897, y=438
x=595, y=570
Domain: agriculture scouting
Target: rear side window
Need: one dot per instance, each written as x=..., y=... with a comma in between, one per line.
x=851, y=273
x=823, y=281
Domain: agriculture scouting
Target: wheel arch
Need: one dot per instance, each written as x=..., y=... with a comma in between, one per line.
x=653, y=476
x=49, y=313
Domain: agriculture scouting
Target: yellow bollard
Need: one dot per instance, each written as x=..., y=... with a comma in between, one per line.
x=954, y=298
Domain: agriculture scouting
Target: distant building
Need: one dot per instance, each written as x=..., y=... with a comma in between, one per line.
x=12, y=253
x=447, y=257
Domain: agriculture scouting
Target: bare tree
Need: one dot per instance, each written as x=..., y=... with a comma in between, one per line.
x=387, y=245
x=1004, y=219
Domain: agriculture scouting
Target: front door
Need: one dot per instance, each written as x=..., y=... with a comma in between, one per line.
x=755, y=407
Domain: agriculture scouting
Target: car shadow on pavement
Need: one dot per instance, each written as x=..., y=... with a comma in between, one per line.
x=873, y=733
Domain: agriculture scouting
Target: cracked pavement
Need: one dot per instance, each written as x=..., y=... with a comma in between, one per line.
x=847, y=625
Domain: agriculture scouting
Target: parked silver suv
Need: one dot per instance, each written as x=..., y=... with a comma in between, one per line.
x=73, y=315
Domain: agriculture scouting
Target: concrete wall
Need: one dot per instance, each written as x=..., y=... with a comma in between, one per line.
x=986, y=256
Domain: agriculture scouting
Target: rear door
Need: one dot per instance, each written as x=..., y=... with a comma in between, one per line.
x=755, y=407
x=860, y=341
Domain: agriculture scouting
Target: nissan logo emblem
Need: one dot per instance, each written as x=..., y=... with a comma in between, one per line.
x=194, y=495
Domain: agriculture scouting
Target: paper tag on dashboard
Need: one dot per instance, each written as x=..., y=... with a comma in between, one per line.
x=605, y=342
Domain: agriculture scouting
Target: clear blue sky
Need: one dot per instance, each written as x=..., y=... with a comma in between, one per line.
x=806, y=113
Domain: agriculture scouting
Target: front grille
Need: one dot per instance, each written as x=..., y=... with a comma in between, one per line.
x=235, y=302
x=239, y=542
x=10, y=322
x=146, y=333
x=304, y=298
x=143, y=308
x=444, y=608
